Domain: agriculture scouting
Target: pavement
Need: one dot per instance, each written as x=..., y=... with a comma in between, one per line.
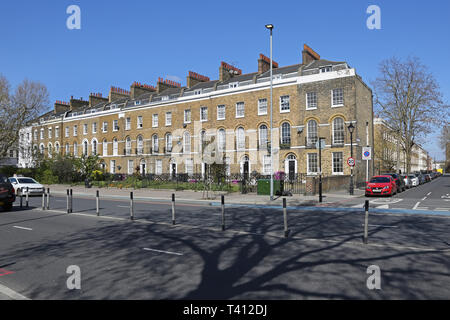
x=339, y=196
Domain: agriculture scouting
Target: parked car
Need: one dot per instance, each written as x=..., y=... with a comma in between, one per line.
x=7, y=194
x=421, y=177
x=414, y=180
x=22, y=183
x=381, y=185
x=400, y=183
x=427, y=177
x=407, y=180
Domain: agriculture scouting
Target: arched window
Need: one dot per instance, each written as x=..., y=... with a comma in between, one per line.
x=155, y=143
x=263, y=137
x=105, y=147
x=94, y=147
x=50, y=150
x=240, y=138
x=57, y=147
x=202, y=140
x=338, y=131
x=128, y=146
x=168, y=142
x=312, y=132
x=221, y=140
x=286, y=133
x=186, y=142
x=115, y=147
x=67, y=149
x=85, y=148
x=42, y=148
x=140, y=145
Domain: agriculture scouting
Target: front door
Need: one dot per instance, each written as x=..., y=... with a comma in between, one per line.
x=291, y=172
x=174, y=170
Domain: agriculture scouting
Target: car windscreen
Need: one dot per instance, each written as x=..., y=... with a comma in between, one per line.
x=26, y=180
x=379, y=180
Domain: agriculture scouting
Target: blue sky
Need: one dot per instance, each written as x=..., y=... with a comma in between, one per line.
x=135, y=40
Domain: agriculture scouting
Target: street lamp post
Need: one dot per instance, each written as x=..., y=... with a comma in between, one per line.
x=270, y=27
x=351, y=128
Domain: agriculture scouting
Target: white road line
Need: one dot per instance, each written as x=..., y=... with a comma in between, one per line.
x=162, y=251
x=380, y=225
x=417, y=205
x=12, y=294
x=128, y=207
x=424, y=198
x=428, y=193
x=385, y=206
x=23, y=228
x=442, y=209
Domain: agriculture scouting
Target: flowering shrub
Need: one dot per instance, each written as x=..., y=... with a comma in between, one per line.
x=279, y=175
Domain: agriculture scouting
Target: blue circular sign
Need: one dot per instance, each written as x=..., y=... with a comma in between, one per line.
x=366, y=154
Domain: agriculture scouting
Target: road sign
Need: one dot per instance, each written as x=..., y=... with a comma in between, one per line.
x=366, y=153
x=351, y=162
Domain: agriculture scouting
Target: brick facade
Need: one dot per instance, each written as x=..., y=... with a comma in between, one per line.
x=293, y=83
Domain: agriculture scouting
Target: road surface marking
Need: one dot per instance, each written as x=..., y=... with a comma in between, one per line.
x=162, y=251
x=23, y=228
x=424, y=198
x=128, y=207
x=4, y=272
x=428, y=193
x=422, y=208
x=416, y=206
x=380, y=225
x=11, y=293
x=385, y=206
x=358, y=205
x=442, y=209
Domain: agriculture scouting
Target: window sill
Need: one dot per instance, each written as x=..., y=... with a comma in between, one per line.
x=221, y=119
x=309, y=109
x=237, y=117
x=337, y=173
x=285, y=111
x=337, y=106
x=262, y=114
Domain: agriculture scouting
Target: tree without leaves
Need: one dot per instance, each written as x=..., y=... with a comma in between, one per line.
x=409, y=99
x=27, y=103
x=444, y=137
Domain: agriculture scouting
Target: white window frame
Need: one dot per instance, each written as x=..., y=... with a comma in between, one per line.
x=187, y=116
x=333, y=131
x=155, y=120
x=308, y=167
x=233, y=85
x=159, y=167
x=50, y=133
x=238, y=110
x=266, y=164
x=56, y=132
x=332, y=163
x=260, y=103
x=288, y=103
x=75, y=130
x=130, y=169
x=112, y=166
x=105, y=126
x=115, y=147
x=332, y=98
x=115, y=125
x=105, y=147
x=203, y=114
x=168, y=119
x=94, y=127
x=219, y=107
x=307, y=101
x=41, y=136
x=85, y=128
x=128, y=123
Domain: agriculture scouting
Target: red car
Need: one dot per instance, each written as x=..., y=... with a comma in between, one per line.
x=381, y=185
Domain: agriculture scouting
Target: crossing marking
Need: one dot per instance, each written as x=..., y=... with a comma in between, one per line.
x=162, y=251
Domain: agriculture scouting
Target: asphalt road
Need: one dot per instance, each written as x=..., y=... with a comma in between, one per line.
x=324, y=257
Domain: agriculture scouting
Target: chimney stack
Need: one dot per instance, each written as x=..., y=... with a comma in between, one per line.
x=96, y=98
x=116, y=93
x=77, y=104
x=61, y=106
x=264, y=64
x=227, y=71
x=137, y=89
x=309, y=55
x=165, y=84
x=194, y=78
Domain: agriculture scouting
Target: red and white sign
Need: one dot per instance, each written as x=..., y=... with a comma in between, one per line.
x=351, y=162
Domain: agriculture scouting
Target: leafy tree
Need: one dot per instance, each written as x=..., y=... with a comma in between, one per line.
x=86, y=165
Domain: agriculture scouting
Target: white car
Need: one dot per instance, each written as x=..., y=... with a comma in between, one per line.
x=414, y=180
x=21, y=184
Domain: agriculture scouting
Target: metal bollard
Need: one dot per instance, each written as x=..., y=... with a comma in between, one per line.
x=286, y=230
x=71, y=201
x=48, y=198
x=223, y=212
x=26, y=199
x=131, y=207
x=21, y=198
x=366, y=223
x=173, y=209
x=67, y=201
x=97, y=203
x=43, y=198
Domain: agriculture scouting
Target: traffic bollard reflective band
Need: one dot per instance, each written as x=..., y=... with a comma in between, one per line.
x=48, y=199
x=286, y=230
x=67, y=201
